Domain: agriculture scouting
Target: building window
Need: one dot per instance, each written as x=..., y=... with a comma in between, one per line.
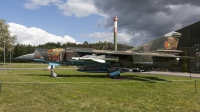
x=196, y=45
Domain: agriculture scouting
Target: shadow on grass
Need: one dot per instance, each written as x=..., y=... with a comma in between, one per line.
x=31, y=74
x=65, y=76
x=125, y=77
x=144, y=78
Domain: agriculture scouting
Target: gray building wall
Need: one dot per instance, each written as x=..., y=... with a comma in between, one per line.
x=190, y=42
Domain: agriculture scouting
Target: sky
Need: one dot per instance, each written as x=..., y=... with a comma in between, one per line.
x=139, y=21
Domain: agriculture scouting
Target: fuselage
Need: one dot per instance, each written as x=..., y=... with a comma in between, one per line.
x=124, y=59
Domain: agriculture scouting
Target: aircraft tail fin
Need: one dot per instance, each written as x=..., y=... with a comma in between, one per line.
x=167, y=42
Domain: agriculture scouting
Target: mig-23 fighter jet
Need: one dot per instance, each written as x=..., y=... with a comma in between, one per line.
x=159, y=53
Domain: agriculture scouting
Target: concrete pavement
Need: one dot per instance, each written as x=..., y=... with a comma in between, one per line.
x=184, y=74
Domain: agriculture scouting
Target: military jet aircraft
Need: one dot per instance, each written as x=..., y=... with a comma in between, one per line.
x=159, y=53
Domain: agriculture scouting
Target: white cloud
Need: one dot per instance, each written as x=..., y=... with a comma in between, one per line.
x=35, y=36
x=177, y=26
x=79, y=8
x=32, y=4
x=109, y=37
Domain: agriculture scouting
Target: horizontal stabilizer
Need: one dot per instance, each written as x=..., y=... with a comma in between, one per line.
x=174, y=52
x=170, y=51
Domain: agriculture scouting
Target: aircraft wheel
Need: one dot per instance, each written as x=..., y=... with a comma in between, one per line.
x=108, y=76
x=53, y=75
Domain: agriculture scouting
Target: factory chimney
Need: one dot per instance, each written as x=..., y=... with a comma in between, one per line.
x=115, y=32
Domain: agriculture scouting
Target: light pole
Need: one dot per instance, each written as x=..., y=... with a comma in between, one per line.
x=10, y=58
x=4, y=52
x=196, y=63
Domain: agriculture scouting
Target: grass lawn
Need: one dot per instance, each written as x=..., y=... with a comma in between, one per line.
x=34, y=90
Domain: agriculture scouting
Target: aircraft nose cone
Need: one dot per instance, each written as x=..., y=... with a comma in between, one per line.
x=27, y=57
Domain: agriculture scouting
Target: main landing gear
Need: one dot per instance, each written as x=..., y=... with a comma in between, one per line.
x=114, y=73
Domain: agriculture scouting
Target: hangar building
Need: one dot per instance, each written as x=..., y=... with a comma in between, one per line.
x=190, y=44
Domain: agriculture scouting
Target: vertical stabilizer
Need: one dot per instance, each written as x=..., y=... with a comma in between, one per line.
x=165, y=43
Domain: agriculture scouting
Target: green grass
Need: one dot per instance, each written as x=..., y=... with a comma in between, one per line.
x=34, y=90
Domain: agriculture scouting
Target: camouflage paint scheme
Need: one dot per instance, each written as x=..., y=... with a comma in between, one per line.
x=159, y=53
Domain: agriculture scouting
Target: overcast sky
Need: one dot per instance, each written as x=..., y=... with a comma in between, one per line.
x=139, y=21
